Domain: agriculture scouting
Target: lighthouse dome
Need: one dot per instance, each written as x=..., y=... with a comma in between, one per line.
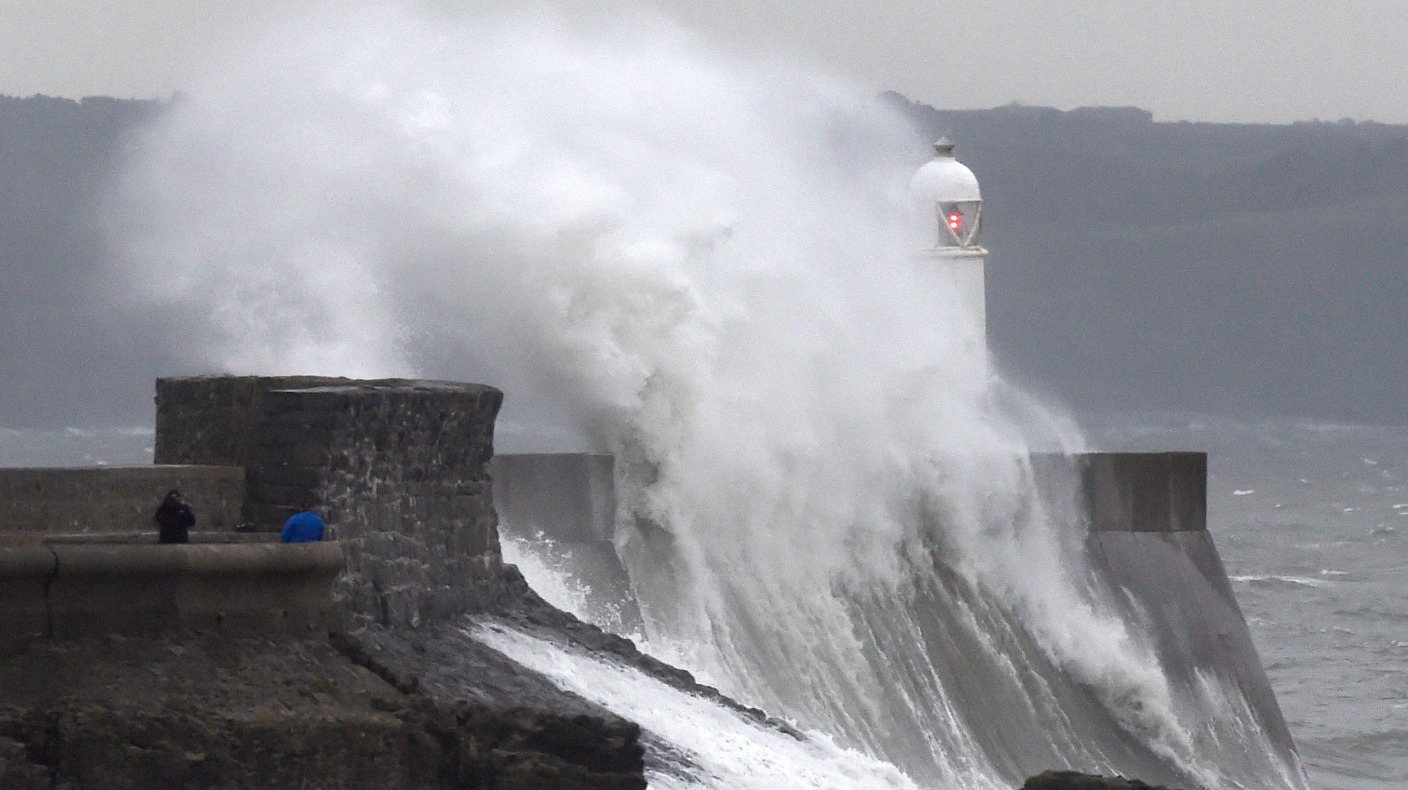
x=944, y=179
x=948, y=192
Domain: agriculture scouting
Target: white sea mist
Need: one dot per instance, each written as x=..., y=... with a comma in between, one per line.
x=704, y=266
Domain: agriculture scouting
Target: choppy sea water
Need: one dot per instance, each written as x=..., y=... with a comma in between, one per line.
x=1311, y=521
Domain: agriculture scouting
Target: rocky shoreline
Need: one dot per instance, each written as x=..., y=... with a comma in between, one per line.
x=423, y=708
x=193, y=710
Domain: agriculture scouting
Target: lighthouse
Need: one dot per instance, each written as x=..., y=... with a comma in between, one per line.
x=952, y=206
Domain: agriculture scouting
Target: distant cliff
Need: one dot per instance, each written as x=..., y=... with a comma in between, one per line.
x=1135, y=264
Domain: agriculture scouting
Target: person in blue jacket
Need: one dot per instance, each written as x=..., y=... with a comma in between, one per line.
x=305, y=526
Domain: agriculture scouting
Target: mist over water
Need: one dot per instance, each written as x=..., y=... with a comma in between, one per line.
x=702, y=266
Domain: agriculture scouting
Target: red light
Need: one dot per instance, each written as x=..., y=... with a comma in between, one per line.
x=955, y=220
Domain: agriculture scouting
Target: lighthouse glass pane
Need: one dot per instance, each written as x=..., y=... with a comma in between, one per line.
x=959, y=223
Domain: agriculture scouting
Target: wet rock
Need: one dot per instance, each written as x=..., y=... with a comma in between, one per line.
x=1073, y=780
x=17, y=770
x=225, y=713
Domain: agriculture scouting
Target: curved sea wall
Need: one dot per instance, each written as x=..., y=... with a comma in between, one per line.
x=1149, y=539
x=83, y=590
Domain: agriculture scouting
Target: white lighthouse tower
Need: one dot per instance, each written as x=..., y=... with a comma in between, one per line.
x=952, y=203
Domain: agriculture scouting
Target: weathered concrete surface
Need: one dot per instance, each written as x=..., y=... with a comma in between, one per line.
x=70, y=591
x=116, y=498
x=129, y=538
x=1149, y=542
x=1146, y=492
x=569, y=499
x=528, y=493
x=1176, y=588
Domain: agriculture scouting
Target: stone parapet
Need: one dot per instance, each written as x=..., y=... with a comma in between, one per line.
x=116, y=498
x=77, y=590
x=212, y=420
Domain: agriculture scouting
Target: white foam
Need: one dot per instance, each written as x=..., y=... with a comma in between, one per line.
x=723, y=748
x=1298, y=581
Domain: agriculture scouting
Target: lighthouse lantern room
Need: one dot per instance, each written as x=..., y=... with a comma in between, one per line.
x=950, y=190
x=948, y=195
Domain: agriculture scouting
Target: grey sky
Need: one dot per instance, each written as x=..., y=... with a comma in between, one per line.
x=1218, y=60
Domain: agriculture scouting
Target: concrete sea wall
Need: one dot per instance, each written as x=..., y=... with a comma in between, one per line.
x=1148, y=542
x=402, y=472
x=570, y=499
x=78, y=590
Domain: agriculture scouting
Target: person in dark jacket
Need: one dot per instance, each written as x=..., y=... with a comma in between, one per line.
x=305, y=526
x=174, y=519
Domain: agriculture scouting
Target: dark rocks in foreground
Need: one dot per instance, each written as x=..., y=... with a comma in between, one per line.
x=199, y=711
x=1072, y=780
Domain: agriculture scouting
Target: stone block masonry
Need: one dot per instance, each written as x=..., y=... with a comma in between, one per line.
x=212, y=420
x=400, y=467
x=116, y=499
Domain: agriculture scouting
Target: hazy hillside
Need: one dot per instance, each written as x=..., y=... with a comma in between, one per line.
x=1247, y=268
x=1134, y=264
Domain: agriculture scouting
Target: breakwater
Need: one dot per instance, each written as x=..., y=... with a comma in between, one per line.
x=1148, y=550
x=234, y=661
x=403, y=471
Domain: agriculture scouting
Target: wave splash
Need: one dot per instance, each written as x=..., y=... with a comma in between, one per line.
x=701, y=265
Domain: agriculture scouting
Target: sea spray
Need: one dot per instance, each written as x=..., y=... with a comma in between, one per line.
x=702, y=266
x=709, y=745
